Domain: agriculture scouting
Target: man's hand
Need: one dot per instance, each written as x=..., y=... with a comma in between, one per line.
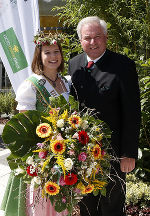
x=127, y=164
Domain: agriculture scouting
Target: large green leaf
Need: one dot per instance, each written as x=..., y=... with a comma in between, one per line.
x=19, y=133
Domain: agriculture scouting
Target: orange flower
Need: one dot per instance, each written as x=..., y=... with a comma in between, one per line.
x=88, y=189
x=52, y=188
x=74, y=121
x=58, y=146
x=96, y=151
x=44, y=130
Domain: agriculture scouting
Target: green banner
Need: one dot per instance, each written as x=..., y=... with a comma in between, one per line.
x=13, y=50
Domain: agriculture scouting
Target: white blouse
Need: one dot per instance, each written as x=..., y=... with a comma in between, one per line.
x=26, y=93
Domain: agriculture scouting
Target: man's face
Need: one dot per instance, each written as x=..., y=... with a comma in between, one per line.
x=93, y=40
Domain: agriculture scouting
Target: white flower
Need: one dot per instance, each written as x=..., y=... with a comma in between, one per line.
x=19, y=171
x=60, y=123
x=72, y=145
x=37, y=180
x=30, y=160
x=54, y=42
x=67, y=130
x=84, y=124
x=139, y=153
x=75, y=136
x=68, y=163
x=89, y=171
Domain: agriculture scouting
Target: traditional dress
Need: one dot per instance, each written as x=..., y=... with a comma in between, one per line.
x=33, y=94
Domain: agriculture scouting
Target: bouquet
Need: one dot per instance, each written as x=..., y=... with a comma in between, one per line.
x=63, y=151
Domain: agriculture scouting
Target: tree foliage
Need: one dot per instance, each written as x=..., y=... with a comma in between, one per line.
x=128, y=33
x=128, y=22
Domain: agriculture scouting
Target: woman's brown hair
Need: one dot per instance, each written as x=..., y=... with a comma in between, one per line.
x=37, y=65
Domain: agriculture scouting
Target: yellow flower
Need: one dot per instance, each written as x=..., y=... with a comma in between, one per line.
x=80, y=186
x=60, y=162
x=99, y=184
x=74, y=121
x=58, y=146
x=98, y=129
x=44, y=130
x=53, y=117
x=65, y=115
x=88, y=189
x=45, y=164
x=52, y=188
x=96, y=151
x=100, y=136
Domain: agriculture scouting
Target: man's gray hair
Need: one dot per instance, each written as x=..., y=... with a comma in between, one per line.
x=90, y=20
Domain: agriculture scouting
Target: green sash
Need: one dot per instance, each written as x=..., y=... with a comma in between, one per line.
x=41, y=89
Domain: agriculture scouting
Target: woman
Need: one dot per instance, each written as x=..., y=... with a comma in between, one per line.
x=33, y=94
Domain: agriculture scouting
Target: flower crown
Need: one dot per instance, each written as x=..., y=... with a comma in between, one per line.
x=48, y=38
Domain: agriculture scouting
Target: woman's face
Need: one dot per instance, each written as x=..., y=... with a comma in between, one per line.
x=51, y=57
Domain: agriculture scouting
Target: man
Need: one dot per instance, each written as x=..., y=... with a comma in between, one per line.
x=111, y=87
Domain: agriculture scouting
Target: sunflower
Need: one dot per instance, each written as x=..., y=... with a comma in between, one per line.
x=88, y=189
x=44, y=130
x=74, y=121
x=96, y=151
x=52, y=188
x=58, y=146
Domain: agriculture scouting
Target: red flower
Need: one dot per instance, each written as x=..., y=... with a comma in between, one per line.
x=71, y=179
x=83, y=137
x=43, y=154
x=32, y=171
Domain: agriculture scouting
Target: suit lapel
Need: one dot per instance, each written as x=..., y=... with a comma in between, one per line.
x=83, y=62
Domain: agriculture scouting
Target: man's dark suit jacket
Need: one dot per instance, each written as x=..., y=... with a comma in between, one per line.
x=111, y=87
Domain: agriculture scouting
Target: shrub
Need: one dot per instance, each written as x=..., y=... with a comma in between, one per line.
x=138, y=192
x=7, y=103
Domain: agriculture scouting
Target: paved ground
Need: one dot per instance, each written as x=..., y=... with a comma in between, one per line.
x=4, y=168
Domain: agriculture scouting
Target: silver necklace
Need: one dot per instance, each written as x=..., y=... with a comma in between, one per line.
x=53, y=81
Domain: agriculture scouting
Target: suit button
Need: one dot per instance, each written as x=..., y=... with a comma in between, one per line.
x=82, y=104
x=81, y=86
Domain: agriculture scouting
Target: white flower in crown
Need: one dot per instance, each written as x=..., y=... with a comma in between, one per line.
x=60, y=123
x=54, y=42
x=68, y=163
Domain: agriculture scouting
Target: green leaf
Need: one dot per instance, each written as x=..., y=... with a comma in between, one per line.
x=59, y=101
x=13, y=161
x=73, y=103
x=103, y=191
x=59, y=206
x=51, y=199
x=19, y=133
x=95, y=192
